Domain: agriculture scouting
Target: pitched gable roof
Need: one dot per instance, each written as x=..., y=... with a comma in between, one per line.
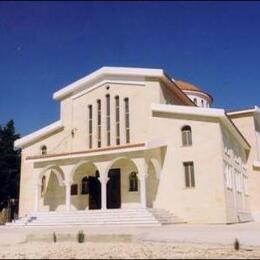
x=119, y=72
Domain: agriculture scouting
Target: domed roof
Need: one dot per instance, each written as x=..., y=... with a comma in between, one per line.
x=186, y=86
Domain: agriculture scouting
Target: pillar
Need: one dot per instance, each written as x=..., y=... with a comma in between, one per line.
x=103, y=180
x=142, y=174
x=68, y=195
x=38, y=186
x=68, y=173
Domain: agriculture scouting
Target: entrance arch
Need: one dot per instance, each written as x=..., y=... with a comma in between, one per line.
x=119, y=194
x=85, y=180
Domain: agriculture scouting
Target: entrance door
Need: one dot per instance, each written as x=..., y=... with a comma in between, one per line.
x=114, y=189
x=94, y=193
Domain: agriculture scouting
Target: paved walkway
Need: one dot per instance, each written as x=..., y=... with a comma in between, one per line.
x=246, y=233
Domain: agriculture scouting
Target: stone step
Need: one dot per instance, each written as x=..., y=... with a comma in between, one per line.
x=133, y=217
x=92, y=220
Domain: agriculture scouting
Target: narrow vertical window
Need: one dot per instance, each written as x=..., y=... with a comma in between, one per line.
x=186, y=136
x=99, y=123
x=133, y=182
x=117, y=121
x=195, y=100
x=189, y=174
x=90, y=126
x=127, y=123
x=108, y=120
x=202, y=103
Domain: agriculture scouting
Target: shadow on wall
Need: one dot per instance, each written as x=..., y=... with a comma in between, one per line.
x=152, y=185
x=55, y=193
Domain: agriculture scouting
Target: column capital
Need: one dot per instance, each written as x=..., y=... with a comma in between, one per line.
x=67, y=182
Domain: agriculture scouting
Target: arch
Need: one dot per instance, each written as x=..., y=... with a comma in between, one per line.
x=79, y=164
x=110, y=164
x=85, y=175
x=57, y=171
x=118, y=194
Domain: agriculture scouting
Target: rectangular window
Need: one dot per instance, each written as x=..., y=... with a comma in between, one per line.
x=74, y=189
x=117, y=121
x=189, y=174
x=108, y=120
x=127, y=123
x=99, y=123
x=90, y=127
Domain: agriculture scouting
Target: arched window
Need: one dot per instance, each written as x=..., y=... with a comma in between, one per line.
x=186, y=136
x=133, y=182
x=84, y=186
x=43, y=184
x=44, y=150
x=202, y=103
x=195, y=100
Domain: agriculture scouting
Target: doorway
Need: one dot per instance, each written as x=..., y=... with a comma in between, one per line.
x=94, y=193
x=114, y=189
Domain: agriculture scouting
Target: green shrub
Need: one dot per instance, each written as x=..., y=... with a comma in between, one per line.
x=81, y=236
x=236, y=245
x=54, y=237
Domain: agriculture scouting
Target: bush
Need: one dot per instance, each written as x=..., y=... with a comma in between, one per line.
x=54, y=237
x=236, y=245
x=81, y=236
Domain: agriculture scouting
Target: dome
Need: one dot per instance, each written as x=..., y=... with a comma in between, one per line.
x=186, y=86
x=198, y=96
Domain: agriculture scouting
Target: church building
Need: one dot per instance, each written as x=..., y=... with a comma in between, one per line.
x=134, y=146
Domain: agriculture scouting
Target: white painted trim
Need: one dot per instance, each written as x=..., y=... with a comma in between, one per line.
x=107, y=71
x=241, y=112
x=38, y=134
x=87, y=155
x=204, y=112
x=199, y=111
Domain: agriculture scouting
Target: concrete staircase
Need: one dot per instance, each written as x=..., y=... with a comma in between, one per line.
x=165, y=217
x=126, y=217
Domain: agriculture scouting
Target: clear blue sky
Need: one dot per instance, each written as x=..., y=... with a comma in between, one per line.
x=46, y=45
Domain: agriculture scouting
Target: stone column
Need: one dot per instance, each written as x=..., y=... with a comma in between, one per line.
x=103, y=180
x=67, y=170
x=143, y=189
x=37, y=194
x=68, y=196
x=142, y=175
x=102, y=168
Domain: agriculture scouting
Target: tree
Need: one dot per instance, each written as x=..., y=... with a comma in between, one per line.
x=9, y=164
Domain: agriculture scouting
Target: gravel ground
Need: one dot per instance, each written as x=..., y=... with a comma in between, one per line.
x=133, y=250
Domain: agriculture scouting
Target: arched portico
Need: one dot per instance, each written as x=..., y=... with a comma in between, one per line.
x=85, y=179
x=119, y=194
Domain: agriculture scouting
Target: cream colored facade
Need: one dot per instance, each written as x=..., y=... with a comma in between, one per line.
x=248, y=122
x=158, y=111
